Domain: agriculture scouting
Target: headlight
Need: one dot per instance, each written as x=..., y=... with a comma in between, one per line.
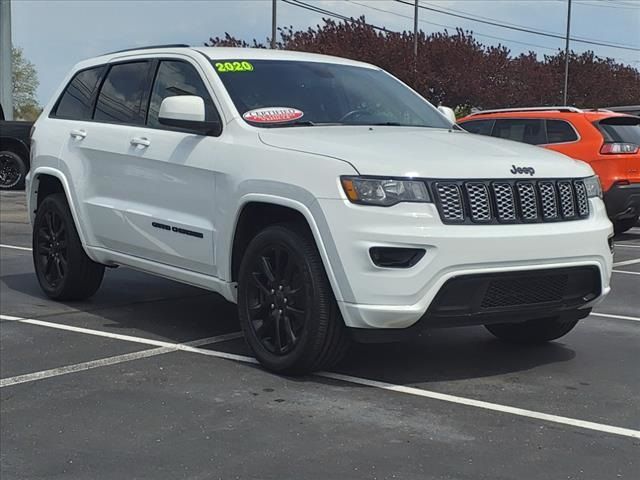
x=592, y=184
x=384, y=192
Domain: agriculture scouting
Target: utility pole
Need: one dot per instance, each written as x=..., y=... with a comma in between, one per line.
x=415, y=33
x=274, y=23
x=566, y=53
x=6, y=85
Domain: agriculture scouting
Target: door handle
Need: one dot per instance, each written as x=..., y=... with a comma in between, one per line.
x=140, y=142
x=78, y=134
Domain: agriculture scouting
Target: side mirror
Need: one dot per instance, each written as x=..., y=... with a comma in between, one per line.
x=187, y=112
x=448, y=113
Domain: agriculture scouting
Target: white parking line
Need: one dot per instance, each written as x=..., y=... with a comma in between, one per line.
x=626, y=245
x=600, y=427
x=103, y=362
x=626, y=262
x=79, y=367
x=618, y=317
x=626, y=271
x=15, y=247
x=355, y=380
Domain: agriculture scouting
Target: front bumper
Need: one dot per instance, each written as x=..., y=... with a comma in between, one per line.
x=371, y=297
x=623, y=201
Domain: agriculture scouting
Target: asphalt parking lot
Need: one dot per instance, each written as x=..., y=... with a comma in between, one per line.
x=149, y=379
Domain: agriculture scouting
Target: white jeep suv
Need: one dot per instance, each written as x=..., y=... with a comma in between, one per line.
x=322, y=195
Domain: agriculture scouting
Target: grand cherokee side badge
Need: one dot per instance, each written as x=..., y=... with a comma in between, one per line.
x=515, y=170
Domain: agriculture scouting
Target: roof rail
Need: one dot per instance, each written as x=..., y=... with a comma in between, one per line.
x=148, y=47
x=528, y=109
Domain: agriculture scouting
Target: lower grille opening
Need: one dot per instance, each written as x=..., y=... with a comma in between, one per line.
x=525, y=291
x=559, y=289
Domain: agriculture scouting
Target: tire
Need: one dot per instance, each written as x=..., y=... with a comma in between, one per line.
x=533, y=331
x=64, y=270
x=287, y=310
x=621, y=226
x=13, y=170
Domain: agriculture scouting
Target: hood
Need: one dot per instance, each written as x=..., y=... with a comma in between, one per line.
x=425, y=152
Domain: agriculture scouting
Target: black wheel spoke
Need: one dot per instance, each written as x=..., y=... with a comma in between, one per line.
x=263, y=288
x=43, y=235
x=58, y=268
x=288, y=329
x=295, y=311
x=48, y=266
x=278, y=338
x=267, y=270
x=49, y=221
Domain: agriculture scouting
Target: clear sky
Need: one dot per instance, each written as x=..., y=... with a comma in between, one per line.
x=55, y=34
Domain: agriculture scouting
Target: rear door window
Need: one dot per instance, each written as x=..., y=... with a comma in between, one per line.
x=178, y=78
x=123, y=94
x=620, y=129
x=76, y=103
x=480, y=127
x=531, y=131
x=559, y=131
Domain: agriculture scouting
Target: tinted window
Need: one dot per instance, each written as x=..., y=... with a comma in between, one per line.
x=178, y=78
x=620, y=129
x=76, y=101
x=122, y=92
x=481, y=127
x=559, y=131
x=326, y=93
x=521, y=130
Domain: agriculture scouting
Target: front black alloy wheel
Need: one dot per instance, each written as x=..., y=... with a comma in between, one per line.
x=277, y=299
x=64, y=270
x=286, y=306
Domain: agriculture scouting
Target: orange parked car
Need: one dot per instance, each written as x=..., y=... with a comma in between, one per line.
x=608, y=141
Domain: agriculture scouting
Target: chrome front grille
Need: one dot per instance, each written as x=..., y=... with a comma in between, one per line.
x=451, y=198
x=510, y=201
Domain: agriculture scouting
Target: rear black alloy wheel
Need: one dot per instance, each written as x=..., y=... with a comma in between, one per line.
x=12, y=170
x=64, y=270
x=286, y=306
x=51, y=251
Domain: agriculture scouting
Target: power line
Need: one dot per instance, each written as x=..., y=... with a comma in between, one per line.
x=313, y=8
x=615, y=6
x=454, y=28
x=316, y=9
x=522, y=29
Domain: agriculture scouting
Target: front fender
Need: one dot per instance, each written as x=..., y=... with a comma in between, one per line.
x=305, y=203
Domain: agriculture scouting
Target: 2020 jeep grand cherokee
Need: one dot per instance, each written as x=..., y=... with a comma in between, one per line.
x=325, y=197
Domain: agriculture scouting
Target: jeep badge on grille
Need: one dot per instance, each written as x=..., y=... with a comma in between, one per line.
x=515, y=170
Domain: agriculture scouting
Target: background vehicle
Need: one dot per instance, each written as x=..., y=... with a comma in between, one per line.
x=608, y=141
x=14, y=152
x=324, y=210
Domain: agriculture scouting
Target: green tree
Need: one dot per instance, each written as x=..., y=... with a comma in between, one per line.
x=25, y=84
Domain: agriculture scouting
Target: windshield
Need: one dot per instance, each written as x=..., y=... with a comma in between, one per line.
x=277, y=93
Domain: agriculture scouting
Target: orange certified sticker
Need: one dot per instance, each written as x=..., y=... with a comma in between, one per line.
x=273, y=115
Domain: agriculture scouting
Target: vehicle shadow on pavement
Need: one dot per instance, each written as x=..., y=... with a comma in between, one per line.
x=447, y=355
x=166, y=310
x=129, y=303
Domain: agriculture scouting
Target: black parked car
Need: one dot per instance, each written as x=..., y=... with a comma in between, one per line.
x=14, y=152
